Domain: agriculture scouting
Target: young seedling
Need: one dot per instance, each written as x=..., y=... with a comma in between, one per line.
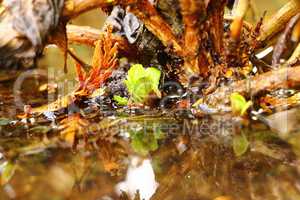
x=140, y=83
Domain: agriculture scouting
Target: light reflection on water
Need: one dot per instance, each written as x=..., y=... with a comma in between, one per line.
x=140, y=177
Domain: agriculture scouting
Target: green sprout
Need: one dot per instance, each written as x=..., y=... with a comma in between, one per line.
x=239, y=105
x=140, y=84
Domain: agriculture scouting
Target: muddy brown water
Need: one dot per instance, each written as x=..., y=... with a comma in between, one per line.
x=191, y=159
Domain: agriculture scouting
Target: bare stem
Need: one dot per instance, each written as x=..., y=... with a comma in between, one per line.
x=284, y=77
x=295, y=56
x=278, y=21
x=239, y=11
x=240, y=8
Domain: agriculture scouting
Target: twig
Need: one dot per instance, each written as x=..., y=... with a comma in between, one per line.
x=83, y=34
x=284, y=77
x=278, y=21
x=282, y=42
x=77, y=59
x=295, y=56
x=239, y=11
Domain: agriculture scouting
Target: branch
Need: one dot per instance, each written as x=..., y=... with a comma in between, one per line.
x=284, y=77
x=283, y=40
x=88, y=36
x=278, y=21
x=295, y=56
x=83, y=35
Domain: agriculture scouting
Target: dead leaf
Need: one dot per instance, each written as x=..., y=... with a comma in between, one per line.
x=103, y=63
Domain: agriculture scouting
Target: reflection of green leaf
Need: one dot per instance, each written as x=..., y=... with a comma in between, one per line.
x=239, y=104
x=7, y=170
x=141, y=82
x=158, y=134
x=40, y=129
x=144, y=142
x=240, y=144
x=121, y=101
x=4, y=121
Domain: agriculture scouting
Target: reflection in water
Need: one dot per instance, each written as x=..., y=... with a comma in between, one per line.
x=140, y=177
x=184, y=166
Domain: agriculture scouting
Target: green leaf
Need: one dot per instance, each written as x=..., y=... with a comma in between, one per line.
x=135, y=72
x=7, y=170
x=240, y=144
x=121, y=101
x=154, y=74
x=142, y=82
x=239, y=105
x=4, y=121
x=142, y=89
x=246, y=107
